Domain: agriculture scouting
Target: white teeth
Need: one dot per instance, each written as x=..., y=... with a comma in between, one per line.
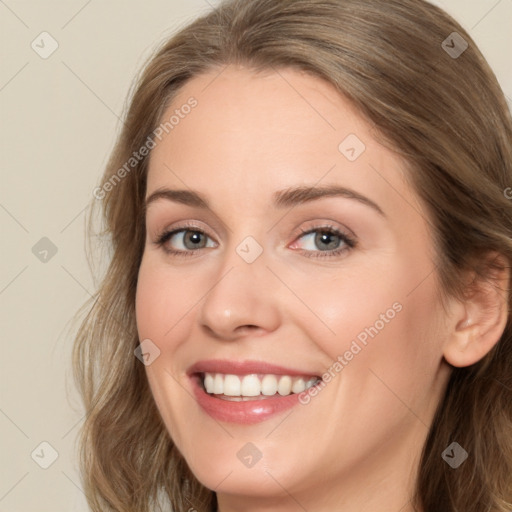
x=208, y=383
x=285, y=385
x=232, y=385
x=250, y=386
x=298, y=386
x=255, y=385
x=269, y=385
x=218, y=384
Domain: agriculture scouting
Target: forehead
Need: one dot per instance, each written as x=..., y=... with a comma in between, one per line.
x=250, y=134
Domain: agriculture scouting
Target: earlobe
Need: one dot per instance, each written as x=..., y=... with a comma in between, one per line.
x=482, y=320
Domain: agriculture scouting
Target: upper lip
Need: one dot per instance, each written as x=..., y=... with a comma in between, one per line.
x=244, y=368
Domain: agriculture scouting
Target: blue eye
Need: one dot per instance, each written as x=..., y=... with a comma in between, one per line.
x=334, y=241
x=330, y=237
x=191, y=240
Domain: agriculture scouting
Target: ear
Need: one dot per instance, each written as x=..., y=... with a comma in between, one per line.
x=479, y=321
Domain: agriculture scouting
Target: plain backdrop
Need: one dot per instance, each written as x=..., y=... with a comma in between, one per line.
x=60, y=114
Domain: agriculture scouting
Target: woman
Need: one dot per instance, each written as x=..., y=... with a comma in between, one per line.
x=232, y=361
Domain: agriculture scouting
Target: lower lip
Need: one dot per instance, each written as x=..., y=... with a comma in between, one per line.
x=243, y=412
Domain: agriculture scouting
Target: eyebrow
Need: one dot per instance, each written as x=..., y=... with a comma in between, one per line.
x=281, y=199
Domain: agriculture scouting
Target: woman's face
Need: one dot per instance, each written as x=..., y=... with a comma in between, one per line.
x=312, y=260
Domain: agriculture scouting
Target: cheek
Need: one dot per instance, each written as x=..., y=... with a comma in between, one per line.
x=159, y=307
x=359, y=304
x=161, y=300
x=147, y=302
x=383, y=319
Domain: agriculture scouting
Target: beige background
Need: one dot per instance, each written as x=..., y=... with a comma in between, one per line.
x=59, y=117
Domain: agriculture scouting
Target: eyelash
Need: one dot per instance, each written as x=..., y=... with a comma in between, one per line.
x=349, y=241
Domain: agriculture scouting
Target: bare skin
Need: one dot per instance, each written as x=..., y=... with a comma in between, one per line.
x=355, y=446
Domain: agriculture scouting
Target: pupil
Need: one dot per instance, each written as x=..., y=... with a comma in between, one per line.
x=195, y=237
x=324, y=237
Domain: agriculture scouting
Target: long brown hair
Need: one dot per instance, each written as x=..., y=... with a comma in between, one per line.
x=431, y=99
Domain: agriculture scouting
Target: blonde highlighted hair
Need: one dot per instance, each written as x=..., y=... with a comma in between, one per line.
x=446, y=116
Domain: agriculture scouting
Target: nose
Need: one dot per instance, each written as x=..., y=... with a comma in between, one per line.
x=241, y=300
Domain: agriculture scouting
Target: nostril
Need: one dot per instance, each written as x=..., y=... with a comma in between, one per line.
x=244, y=328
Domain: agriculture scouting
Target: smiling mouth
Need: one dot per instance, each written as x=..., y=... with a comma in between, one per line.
x=254, y=386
